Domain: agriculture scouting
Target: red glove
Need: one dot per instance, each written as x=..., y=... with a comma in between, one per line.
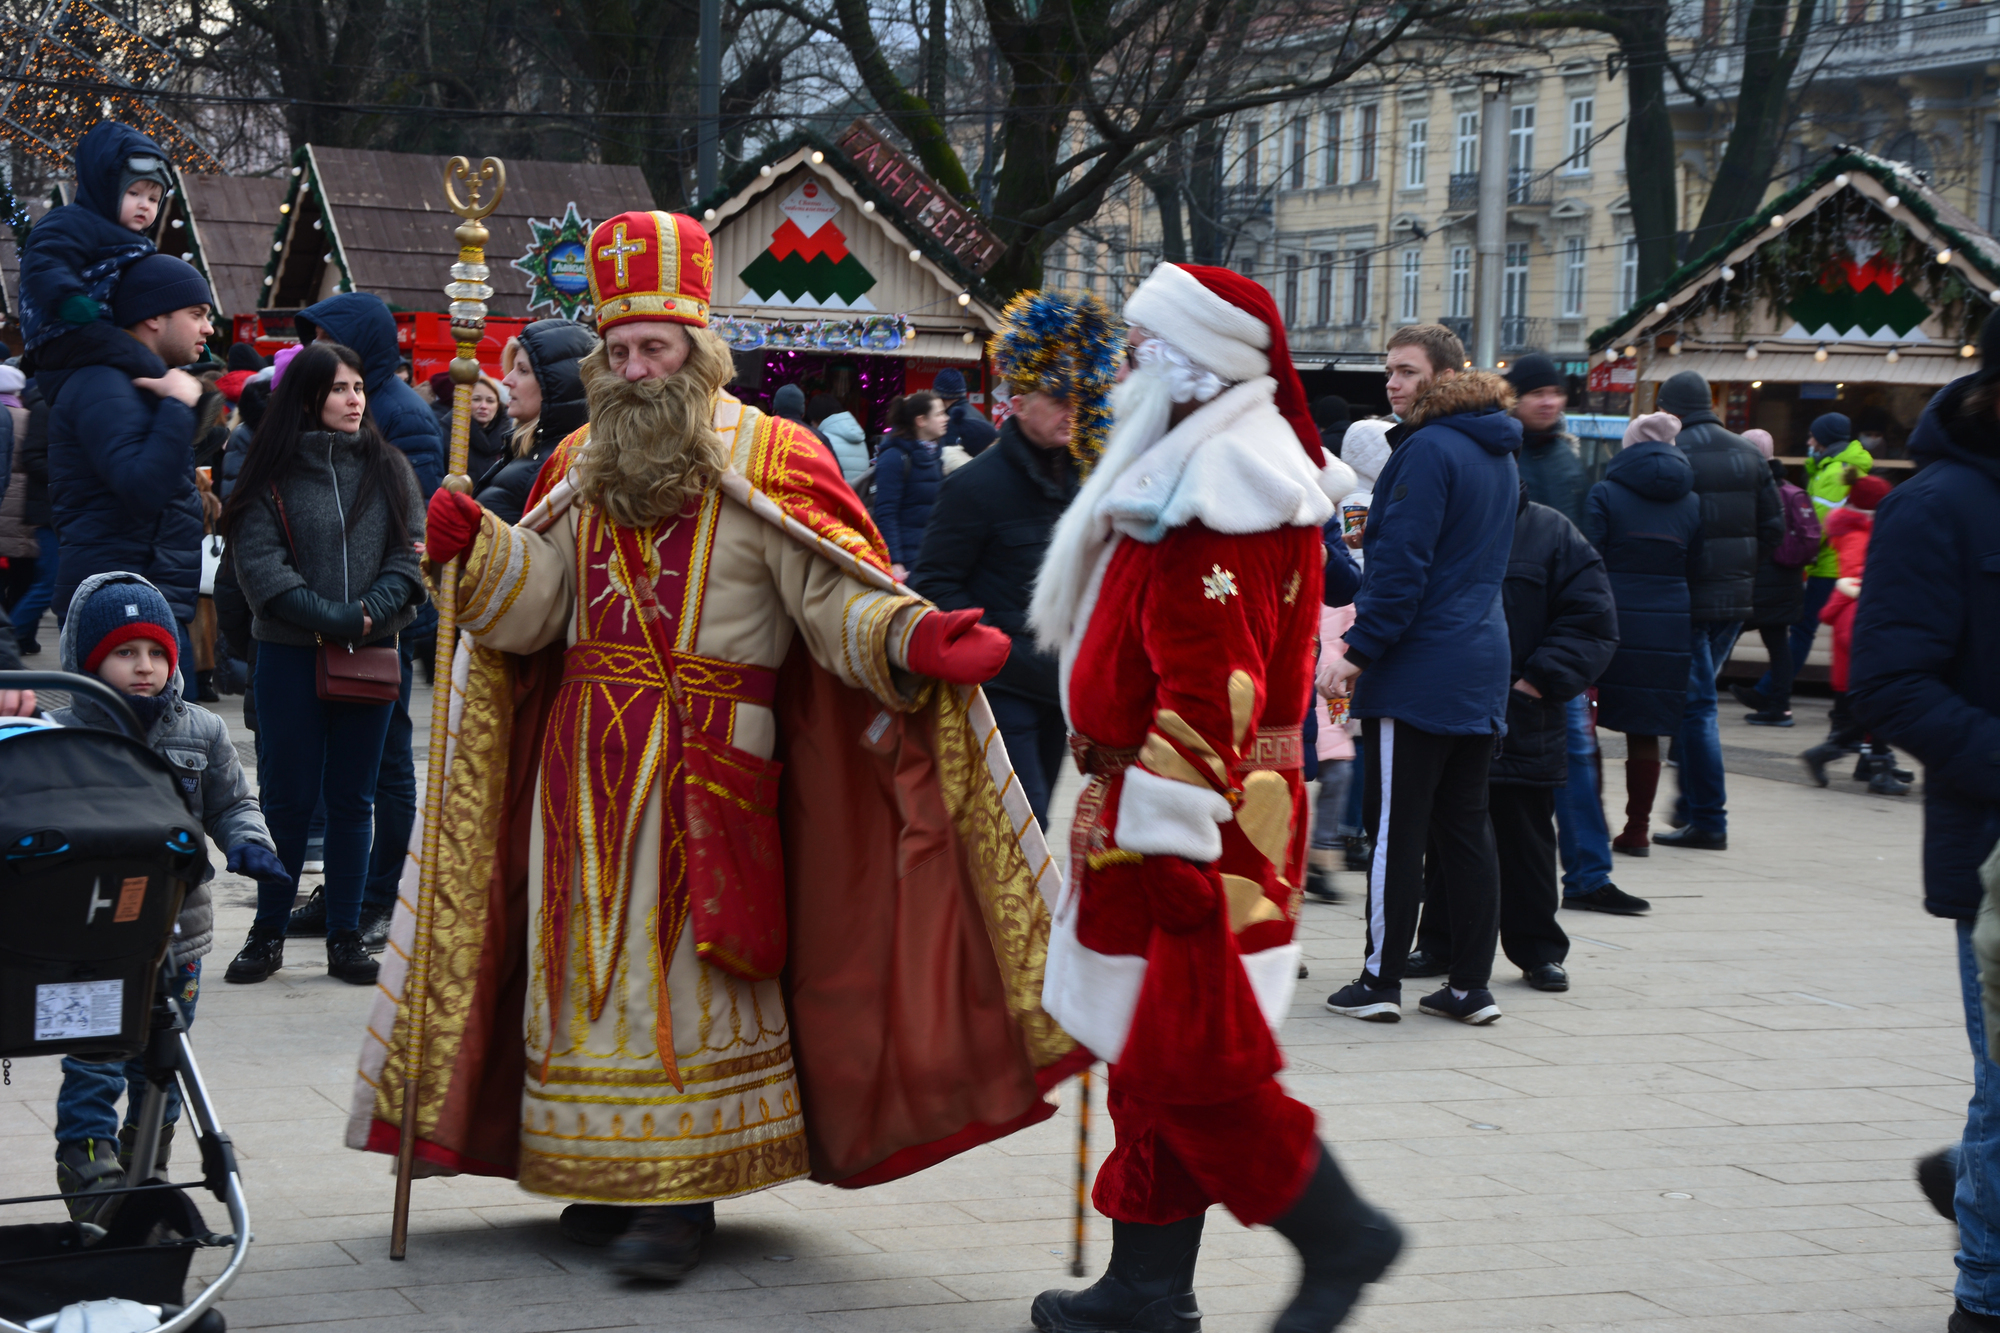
x=450, y=525
x=1180, y=895
x=953, y=646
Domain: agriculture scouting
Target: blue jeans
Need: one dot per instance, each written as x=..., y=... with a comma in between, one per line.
x=1803, y=633
x=1977, y=1199
x=87, y=1105
x=28, y=611
x=395, y=805
x=1037, y=739
x=1581, y=833
x=1702, y=787
x=316, y=748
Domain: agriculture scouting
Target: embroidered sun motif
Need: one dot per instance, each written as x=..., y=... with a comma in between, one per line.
x=1219, y=585
x=1292, y=588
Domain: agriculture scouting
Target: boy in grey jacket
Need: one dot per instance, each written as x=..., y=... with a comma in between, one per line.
x=121, y=630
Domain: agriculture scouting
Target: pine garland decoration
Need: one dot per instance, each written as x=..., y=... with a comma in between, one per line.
x=1067, y=346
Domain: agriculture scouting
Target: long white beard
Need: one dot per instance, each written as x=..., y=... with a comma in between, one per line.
x=1140, y=410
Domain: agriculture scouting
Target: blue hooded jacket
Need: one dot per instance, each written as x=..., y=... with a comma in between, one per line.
x=362, y=321
x=83, y=237
x=1925, y=669
x=1430, y=629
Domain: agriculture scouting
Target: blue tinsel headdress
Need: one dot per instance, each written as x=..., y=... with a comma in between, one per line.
x=1068, y=346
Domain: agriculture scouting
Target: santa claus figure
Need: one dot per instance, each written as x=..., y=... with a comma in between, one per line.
x=726, y=892
x=1182, y=592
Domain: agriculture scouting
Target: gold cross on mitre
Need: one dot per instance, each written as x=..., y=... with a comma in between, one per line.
x=620, y=250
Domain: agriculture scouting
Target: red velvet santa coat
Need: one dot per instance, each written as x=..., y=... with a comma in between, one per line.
x=1184, y=586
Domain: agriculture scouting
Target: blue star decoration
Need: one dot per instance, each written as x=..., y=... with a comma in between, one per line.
x=558, y=265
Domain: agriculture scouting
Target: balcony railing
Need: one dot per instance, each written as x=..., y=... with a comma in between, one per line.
x=1947, y=39
x=1240, y=202
x=1522, y=333
x=1460, y=325
x=1524, y=188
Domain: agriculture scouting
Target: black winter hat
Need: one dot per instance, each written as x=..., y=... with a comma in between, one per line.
x=117, y=612
x=789, y=402
x=157, y=285
x=1331, y=410
x=1684, y=393
x=950, y=383
x=242, y=356
x=1832, y=428
x=1535, y=371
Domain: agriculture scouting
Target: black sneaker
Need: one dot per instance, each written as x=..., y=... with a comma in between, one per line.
x=1476, y=1008
x=309, y=917
x=1319, y=885
x=1356, y=851
x=84, y=1169
x=1965, y=1321
x=660, y=1246
x=261, y=956
x=1769, y=717
x=375, y=926
x=1356, y=1000
x=1424, y=963
x=1608, y=897
x=347, y=960
x=1691, y=837
x=1937, y=1177
x=28, y=648
x=595, y=1223
x=1751, y=699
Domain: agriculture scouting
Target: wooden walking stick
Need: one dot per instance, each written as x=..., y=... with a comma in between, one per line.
x=469, y=293
x=1082, y=1168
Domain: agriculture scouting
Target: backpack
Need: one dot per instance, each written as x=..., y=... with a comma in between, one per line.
x=1802, y=530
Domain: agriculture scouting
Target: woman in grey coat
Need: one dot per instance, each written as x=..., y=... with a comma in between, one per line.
x=323, y=526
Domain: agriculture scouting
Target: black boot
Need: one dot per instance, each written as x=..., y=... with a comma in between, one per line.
x=375, y=925
x=309, y=917
x=262, y=955
x=1882, y=776
x=128, y=1135
x=1344, y=1244
x=348, y=960
x=1148, y=1287
x=1817, y=758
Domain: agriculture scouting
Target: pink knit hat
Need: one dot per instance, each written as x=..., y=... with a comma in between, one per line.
x=1762, y=439
x=1653, y=426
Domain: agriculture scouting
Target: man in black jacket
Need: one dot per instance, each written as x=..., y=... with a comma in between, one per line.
x=968, y=429
x=983, y=548
x=1562, y=629
x=1925, y=675
x=1741, y=520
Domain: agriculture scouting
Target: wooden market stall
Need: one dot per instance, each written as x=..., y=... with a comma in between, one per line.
x=354, y=220
x=222, y=225
x=840, y=266
x=1861, y=291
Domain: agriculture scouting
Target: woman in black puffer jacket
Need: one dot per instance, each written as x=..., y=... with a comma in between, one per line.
x=545, y=400
x=322, y=527
x=1646, y=520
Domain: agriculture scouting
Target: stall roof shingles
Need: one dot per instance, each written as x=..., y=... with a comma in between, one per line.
x=234, y=219
x=395, y=228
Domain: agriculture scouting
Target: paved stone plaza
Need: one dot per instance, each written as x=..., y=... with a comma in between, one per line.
x=1712, y=1132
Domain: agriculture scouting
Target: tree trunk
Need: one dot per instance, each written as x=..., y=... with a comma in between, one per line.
x=940, y=59
x=1167, y=194
x=1650, y=161
x=1762, y=101
x=1205, y=195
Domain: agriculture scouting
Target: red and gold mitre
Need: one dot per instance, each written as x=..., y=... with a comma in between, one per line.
x=658, y=266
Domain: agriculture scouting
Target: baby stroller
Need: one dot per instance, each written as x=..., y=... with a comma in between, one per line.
x=97, y=850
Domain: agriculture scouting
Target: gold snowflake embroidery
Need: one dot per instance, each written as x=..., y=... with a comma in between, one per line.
x=1220, y=585
x=1292, y=588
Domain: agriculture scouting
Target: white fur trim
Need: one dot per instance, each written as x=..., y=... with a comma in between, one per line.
x=1234, y=465
x=1274, y=975
x=1092, y=995
x=1336, y=479
x=1161, y=817
x=1227, y=339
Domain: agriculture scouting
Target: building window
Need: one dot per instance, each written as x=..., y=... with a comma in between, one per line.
x=1514, y=281
x=1089, y=251
x=1358, y=287
x=1253, y=135
x=1582, y=129
x=1413, y=269
x=1298, y=181
x=1364, y=143
x=1628, y=274
x=1291, y=291
x=1458, y=298
x=1323, y=288
x=1521, y=139
x=1333, y=126
x=1416, y=148
x=1465, y=158
x=1573, y=270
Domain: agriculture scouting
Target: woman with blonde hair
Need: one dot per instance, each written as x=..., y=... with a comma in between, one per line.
x=545, y=403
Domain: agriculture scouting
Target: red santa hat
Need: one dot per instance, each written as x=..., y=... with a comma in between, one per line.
x=1229, y=324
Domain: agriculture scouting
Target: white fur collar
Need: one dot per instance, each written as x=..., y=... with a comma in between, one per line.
x=1234, y=465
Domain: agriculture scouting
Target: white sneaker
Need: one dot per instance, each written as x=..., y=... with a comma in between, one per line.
x=313, y=868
